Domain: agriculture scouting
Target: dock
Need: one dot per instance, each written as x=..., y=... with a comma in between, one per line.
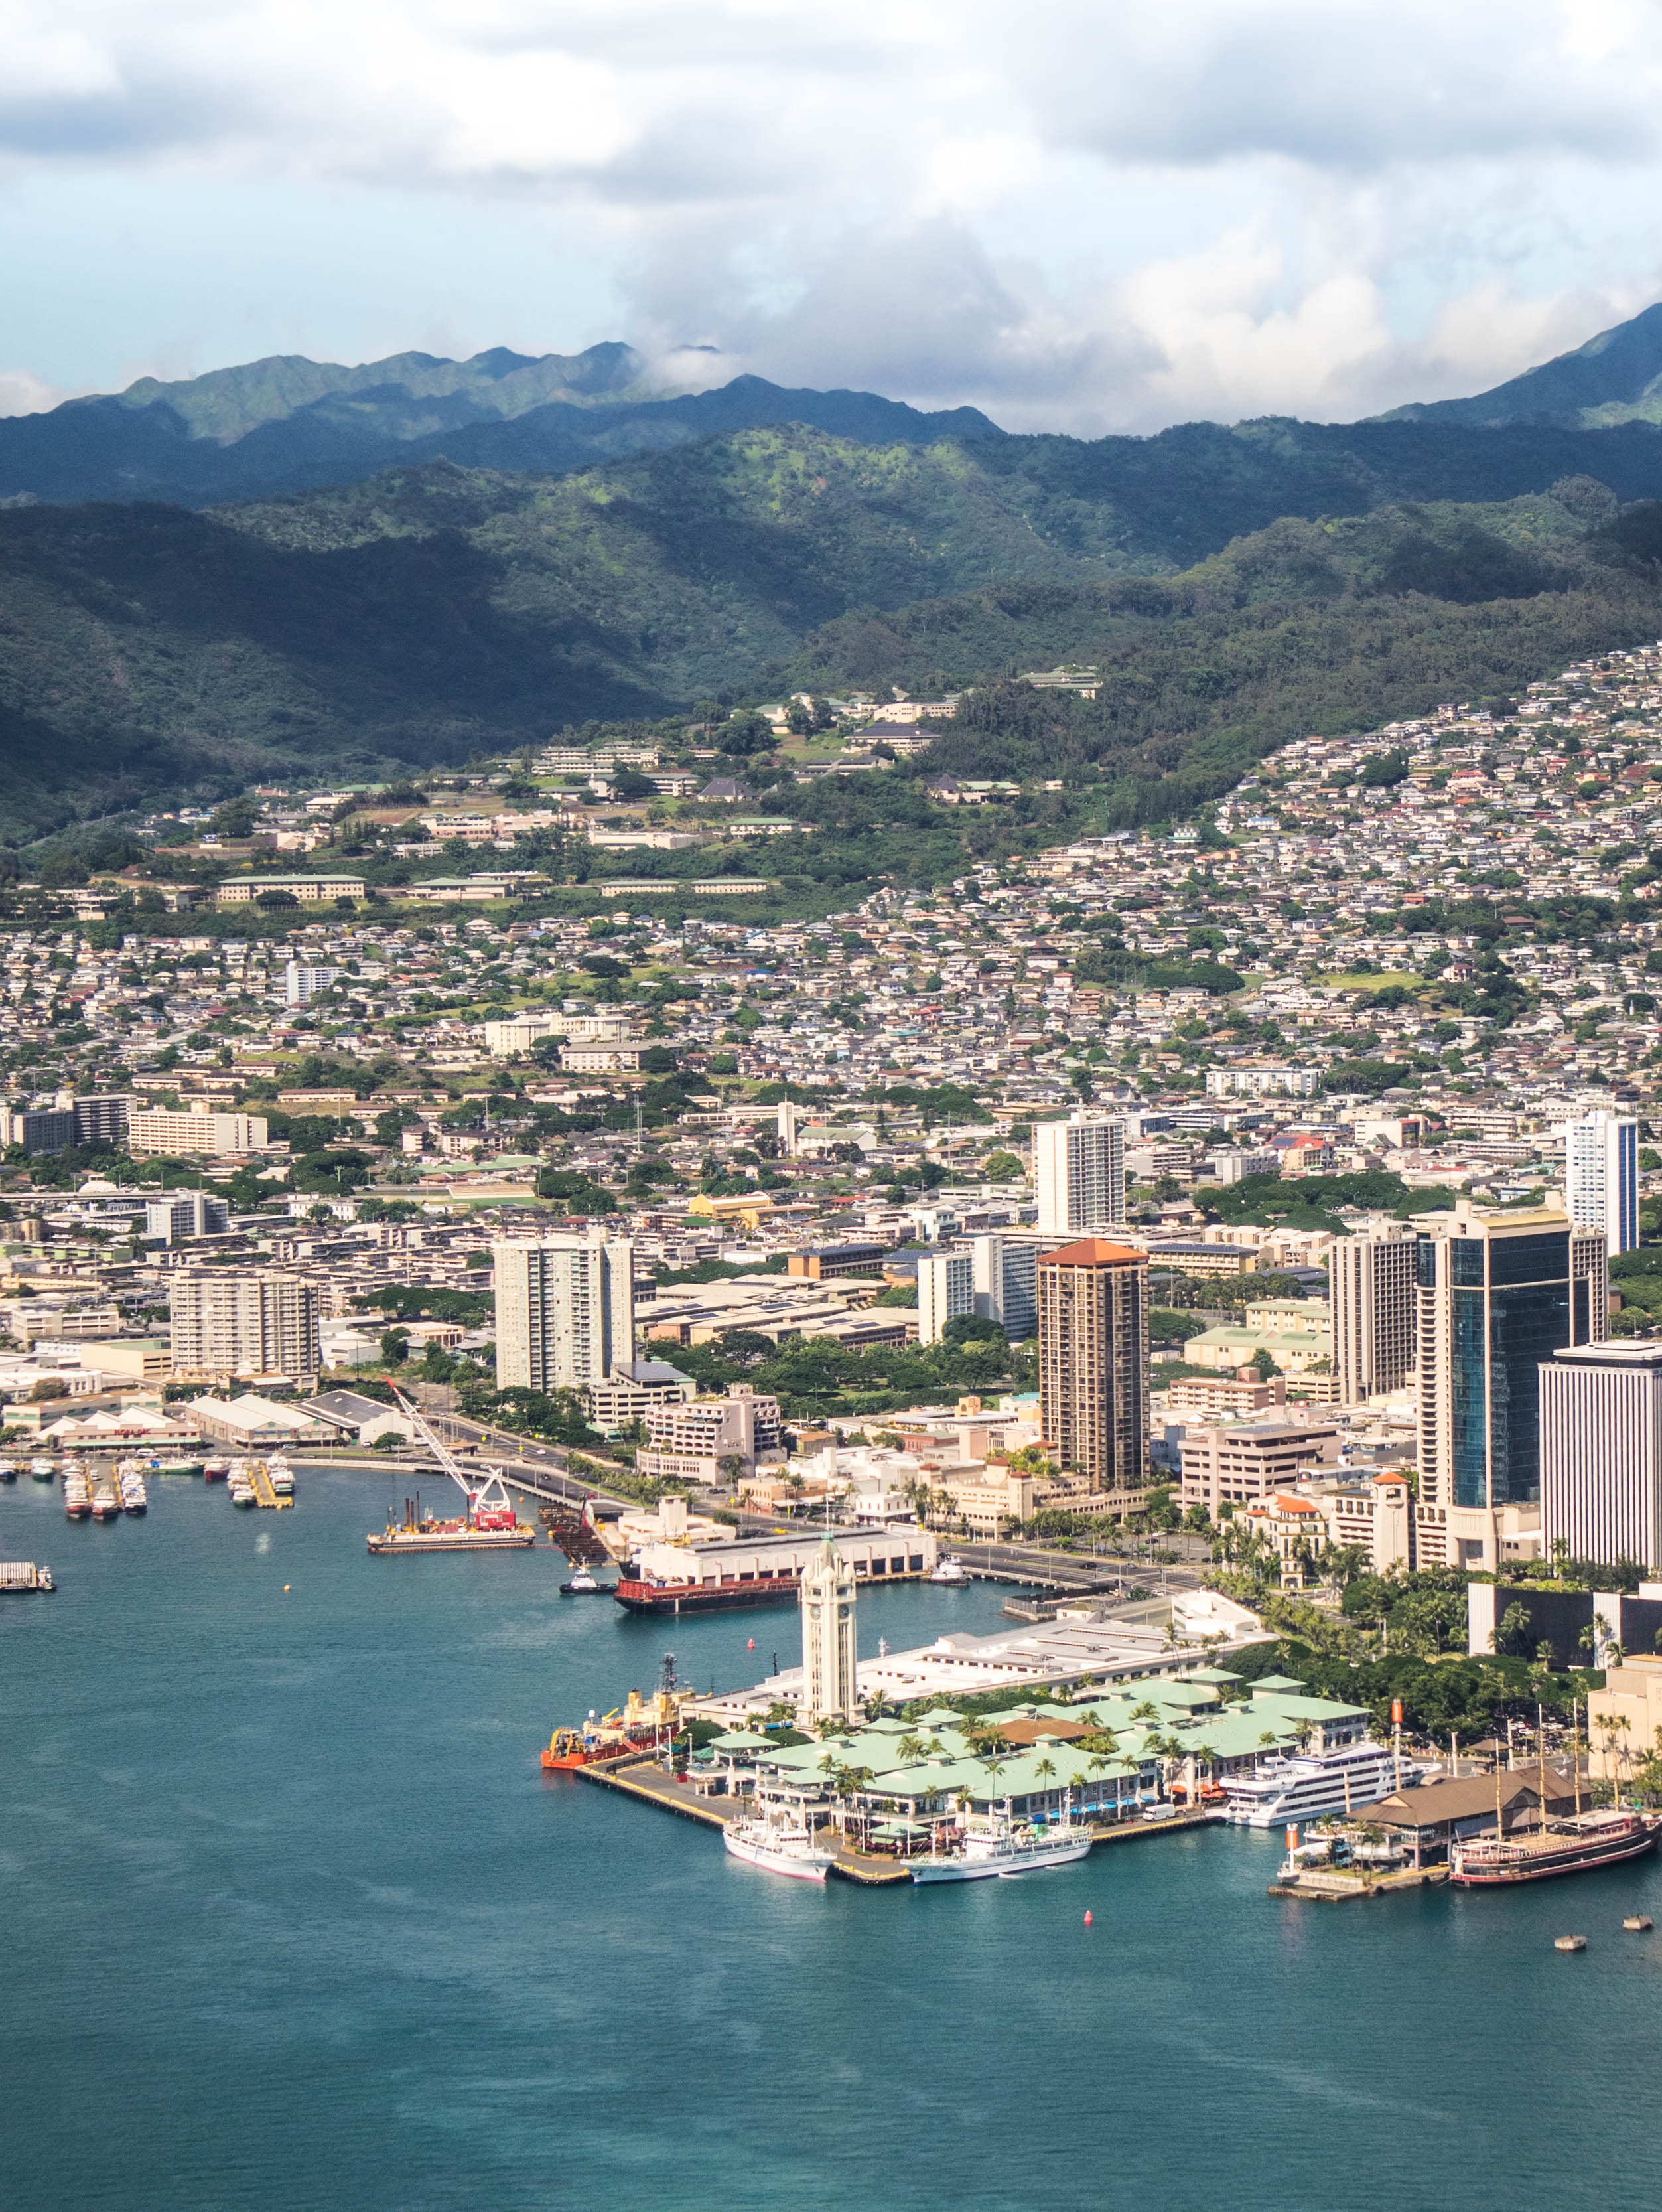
x=644, y=1780
x=1334, y=1888
x=263, y=1494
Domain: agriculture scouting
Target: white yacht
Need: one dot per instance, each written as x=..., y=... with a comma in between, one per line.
x=1004, y=1847
x=948, y=1569
x=1303, y=1785
x=784, y=1845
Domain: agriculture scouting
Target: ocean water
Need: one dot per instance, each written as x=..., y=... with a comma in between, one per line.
x=293, y=1919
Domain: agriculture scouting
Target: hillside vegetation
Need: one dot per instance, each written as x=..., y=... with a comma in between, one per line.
x=435, y=611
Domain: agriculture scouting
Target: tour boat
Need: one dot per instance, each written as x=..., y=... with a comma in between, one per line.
x=1005, y=1847
x=1576, y=1846
x=781, y=1846
x=1302, y=1786
x=948, y=1569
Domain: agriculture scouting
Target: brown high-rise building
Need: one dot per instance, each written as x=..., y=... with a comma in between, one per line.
x=1094, y=1361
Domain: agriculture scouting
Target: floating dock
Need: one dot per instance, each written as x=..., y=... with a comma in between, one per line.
x=1334, y=1888
x=22, y=1576
x=264, y=1493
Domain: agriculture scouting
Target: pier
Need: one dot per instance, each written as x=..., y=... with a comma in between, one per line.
x=1334, y=1888
x=644, y=1780
x=263, y=1492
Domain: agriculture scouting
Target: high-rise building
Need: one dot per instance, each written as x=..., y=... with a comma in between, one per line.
x=1094, y=1361
x=946, y=1289
x=1373, y=1304
x=301, y=982
x=1079, y=1174
x=261, y=1321
x=565, y=1309
x=177, y=1216
x=830, y=1648
x=1601, y=1177
x=1005, y=1283
x=1601, y=1452
x=1499, y=1293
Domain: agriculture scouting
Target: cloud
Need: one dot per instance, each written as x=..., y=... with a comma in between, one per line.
x=1087, y=214
x=23, y=393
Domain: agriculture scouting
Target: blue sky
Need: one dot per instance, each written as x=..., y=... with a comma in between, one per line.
x=1079, y=217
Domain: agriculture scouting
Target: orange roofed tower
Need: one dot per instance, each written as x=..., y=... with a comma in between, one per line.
x=1093, y=1365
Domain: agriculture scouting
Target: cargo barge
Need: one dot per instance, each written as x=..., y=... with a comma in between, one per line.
x=722, y=1596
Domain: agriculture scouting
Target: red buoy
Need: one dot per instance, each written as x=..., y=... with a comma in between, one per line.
x=1091, y=1920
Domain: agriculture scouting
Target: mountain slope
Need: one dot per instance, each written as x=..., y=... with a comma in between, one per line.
x=287, y=425
x=437, y=611
x=1616, y=377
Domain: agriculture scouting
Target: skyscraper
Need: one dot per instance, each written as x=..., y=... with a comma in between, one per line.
x=830, y=1648
x=258, y=1322
x=1601, y=1452
x=1498, y=1292
x=565, y=1309
x=1601, y=1177
x=1079, y=1174
x=1094, y=1361
x=946, y=1288
x=1373, y=1299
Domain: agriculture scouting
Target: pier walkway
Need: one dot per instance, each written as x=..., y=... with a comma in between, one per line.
x=644, y=1780
x=263, y=1494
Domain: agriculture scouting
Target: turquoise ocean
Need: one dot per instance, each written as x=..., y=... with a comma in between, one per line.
x=293, y=1922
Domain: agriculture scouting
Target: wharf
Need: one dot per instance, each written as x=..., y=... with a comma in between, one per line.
x=1334, y=1888
x=264, y=1494
x=643, y=1780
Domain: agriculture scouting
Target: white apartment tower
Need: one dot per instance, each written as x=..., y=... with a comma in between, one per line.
x=946, y=1288
x=1374, y=1303
x=256, y=1323
x=829, y=1639
x=1601, y=1177
x=1006, y=1283
x=1079, y=1174
x=1601, y=1452
x=565, y=1309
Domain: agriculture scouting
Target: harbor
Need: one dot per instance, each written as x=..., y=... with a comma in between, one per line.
x=391, y=1725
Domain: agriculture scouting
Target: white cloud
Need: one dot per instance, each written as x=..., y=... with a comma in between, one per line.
x=1085, y=213
x=22, y=393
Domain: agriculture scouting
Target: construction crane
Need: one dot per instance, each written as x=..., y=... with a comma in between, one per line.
x=488, y=1505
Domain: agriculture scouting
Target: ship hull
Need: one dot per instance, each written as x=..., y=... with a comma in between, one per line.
x=1017, y=1862
x=1584, y=1855
x=479, y=1540
x=807, y=1866
x=716, y=1597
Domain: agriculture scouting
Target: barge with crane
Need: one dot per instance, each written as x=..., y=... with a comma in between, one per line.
x=487, y=1521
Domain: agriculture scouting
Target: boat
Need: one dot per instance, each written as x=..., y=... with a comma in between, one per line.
x=1303, y=1785
x=949, y=1570
x=281, y=1476
x=77, y=1496
x=1005, y=1847
x=215, y=1470
x=640, y=1727
x=787, y=1845
x=135, y=1498
x=178, y=1467
x=105, y=1505
x=43, y=1469
x=583, y=1584
x=1604, y=1837
x=8, y=1470
x=431, y=1535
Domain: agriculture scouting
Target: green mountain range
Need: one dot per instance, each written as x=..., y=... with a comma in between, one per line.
x=1234, y=584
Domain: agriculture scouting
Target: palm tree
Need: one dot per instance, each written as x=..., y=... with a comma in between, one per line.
x=911, y=1747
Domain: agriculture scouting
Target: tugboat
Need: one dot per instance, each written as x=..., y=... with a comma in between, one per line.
x=949, y=1570
x=583, y=1584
